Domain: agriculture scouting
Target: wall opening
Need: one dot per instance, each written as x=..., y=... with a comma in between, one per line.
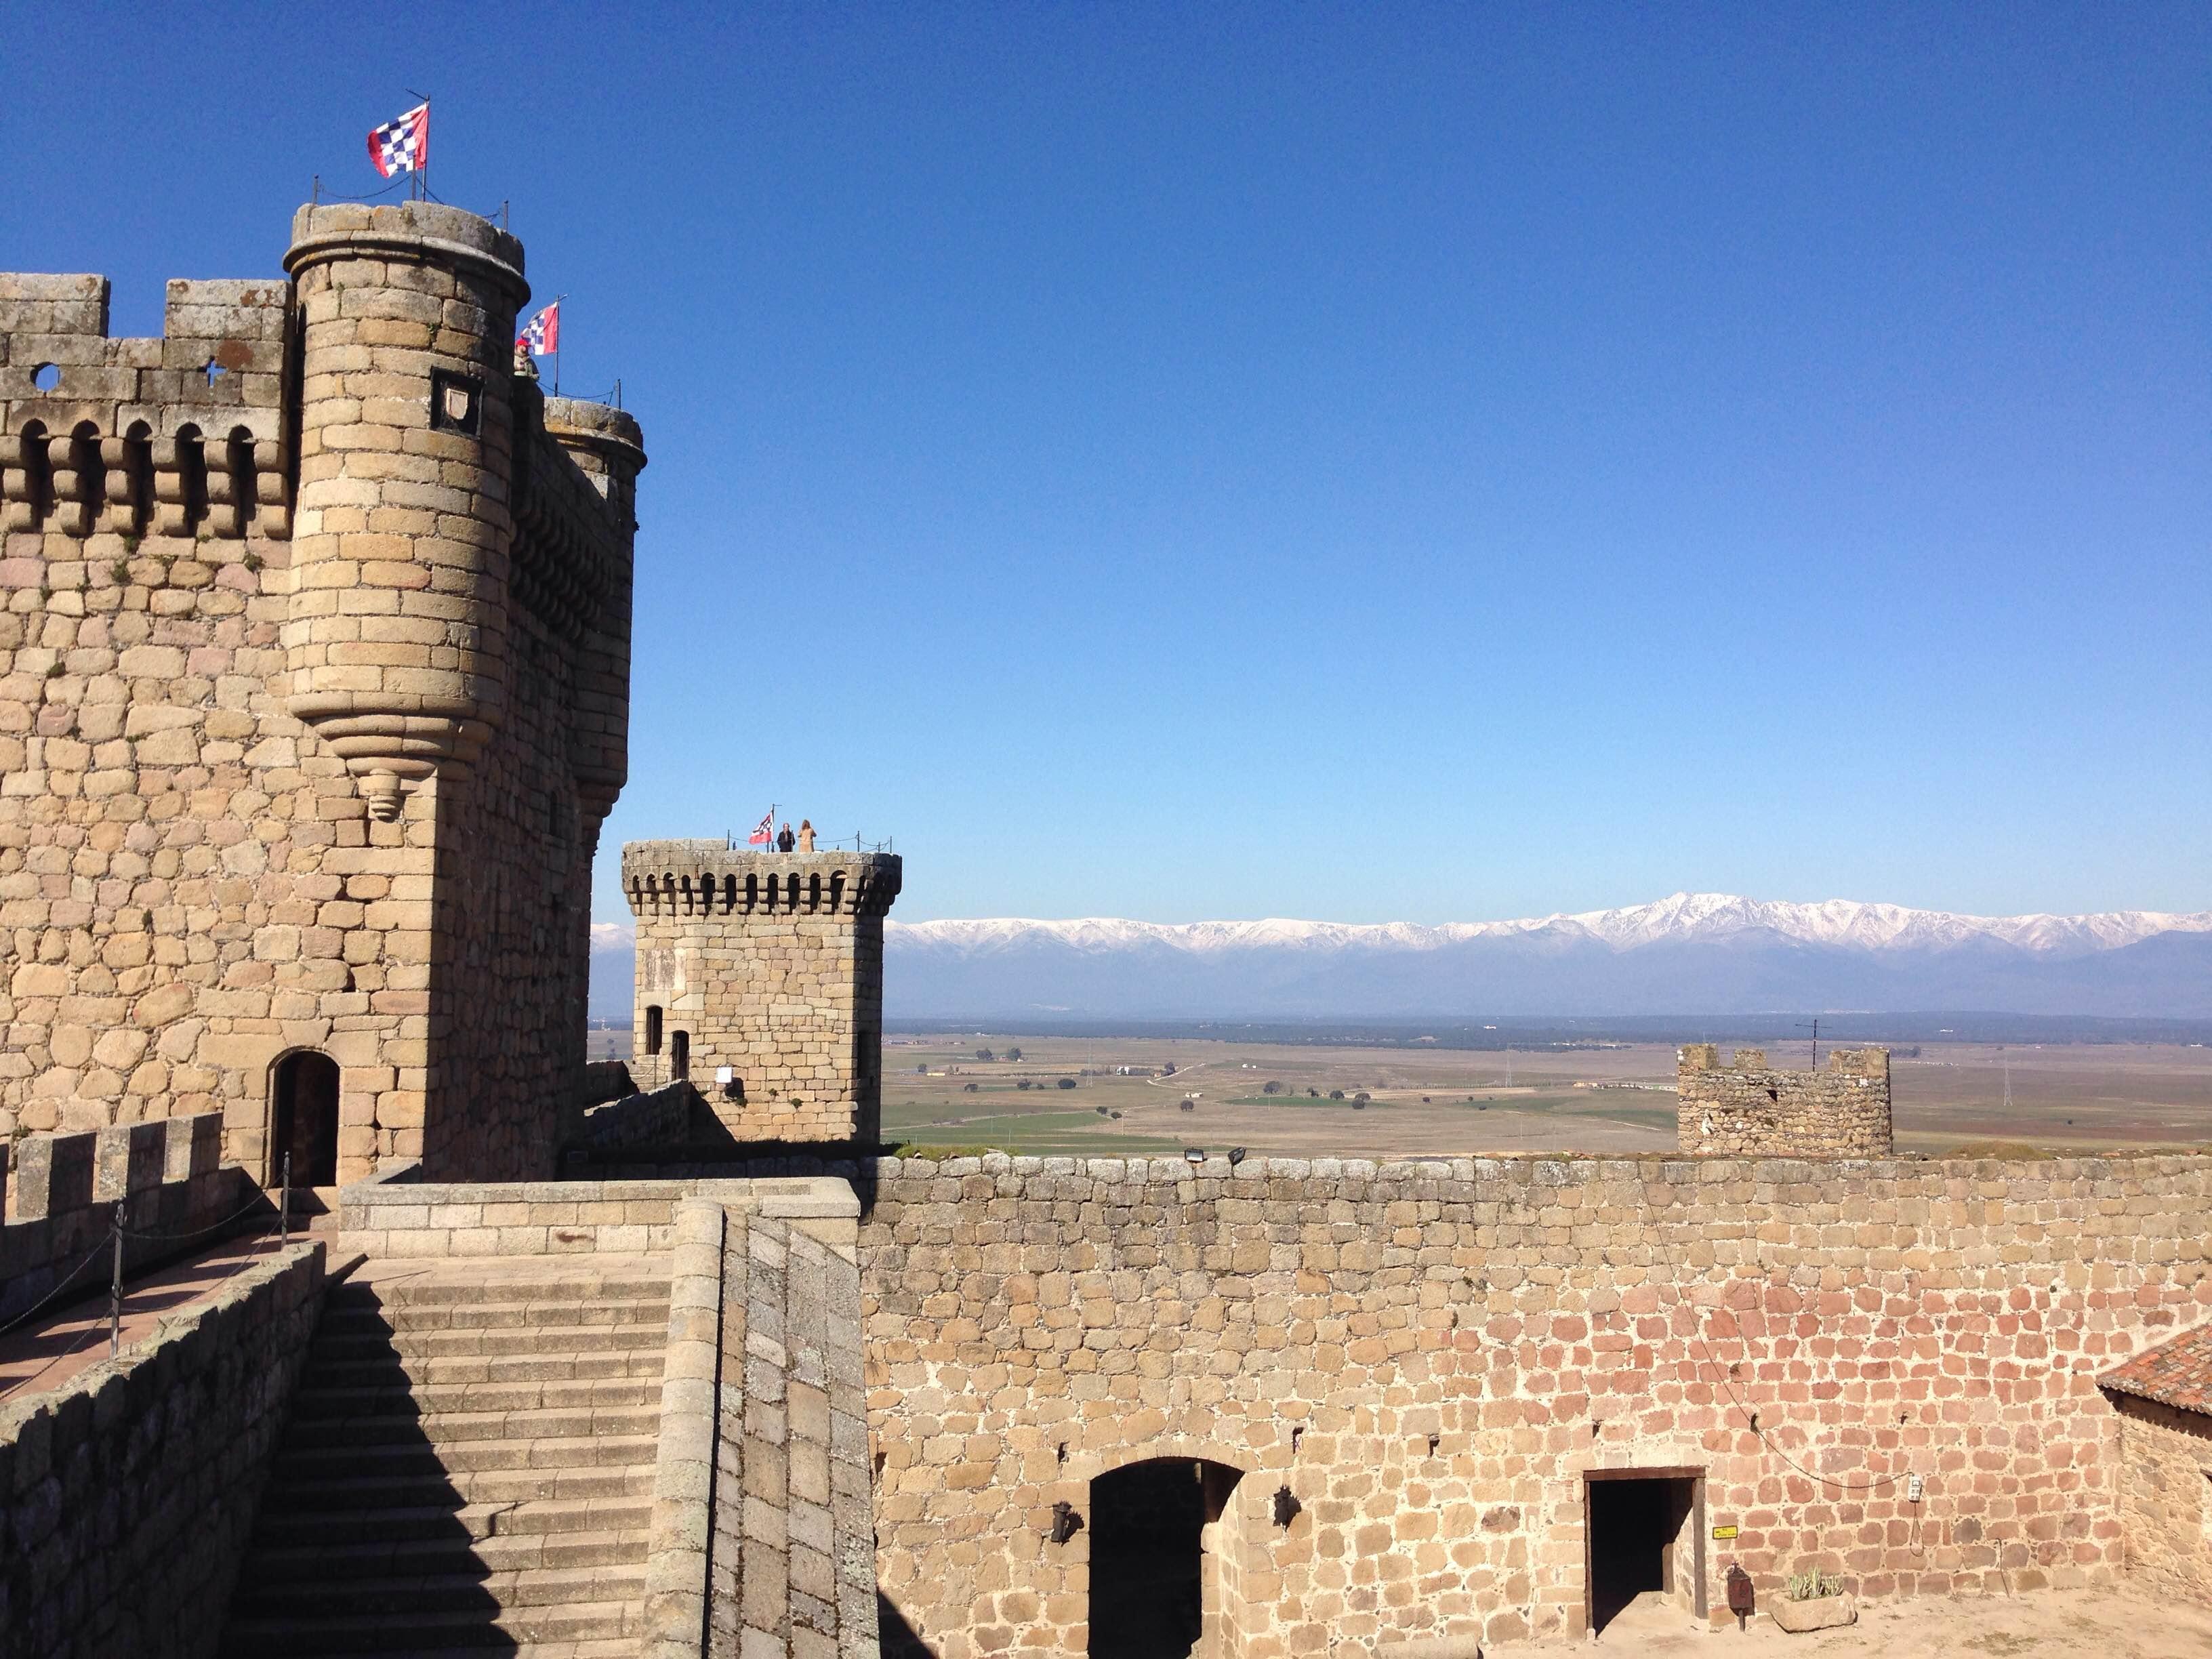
x=1643, y=1535
x=1155, y=1590
x=653, y=1028
x=679, y=1055
x=305, y=1120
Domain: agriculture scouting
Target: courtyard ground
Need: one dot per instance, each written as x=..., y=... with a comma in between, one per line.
x=2042, y=1624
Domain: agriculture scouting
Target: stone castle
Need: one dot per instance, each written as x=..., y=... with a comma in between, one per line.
x=317, y=648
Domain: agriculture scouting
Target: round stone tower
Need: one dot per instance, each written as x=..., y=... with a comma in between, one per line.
x=760, y=977
x=397, y=623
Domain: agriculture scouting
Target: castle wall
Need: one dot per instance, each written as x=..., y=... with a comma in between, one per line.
x=127, y=1493
x=2165, y=1481
x=1750, y=1110
x=772, y=964
x=1429, y=1356
x=313, y=668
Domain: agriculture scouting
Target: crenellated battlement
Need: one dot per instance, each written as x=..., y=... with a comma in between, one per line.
x=707, y=878
x=186, y=434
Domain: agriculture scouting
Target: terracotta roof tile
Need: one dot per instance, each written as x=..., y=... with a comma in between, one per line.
x=2178, y=1372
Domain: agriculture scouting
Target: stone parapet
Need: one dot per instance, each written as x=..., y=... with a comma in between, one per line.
x=163, y=1182
x=127, y=1493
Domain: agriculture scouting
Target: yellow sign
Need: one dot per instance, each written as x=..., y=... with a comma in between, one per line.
x=1724, y=1532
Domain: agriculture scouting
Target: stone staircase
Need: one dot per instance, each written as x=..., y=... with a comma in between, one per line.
x=468, y=1465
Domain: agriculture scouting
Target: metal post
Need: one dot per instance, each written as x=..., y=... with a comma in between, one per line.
x=284, y=1206
x=115, y=1288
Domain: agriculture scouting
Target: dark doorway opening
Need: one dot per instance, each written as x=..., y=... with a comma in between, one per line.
x=1644, y=1531
x=307, y=1120
x=679, y=1056
x=1148, y=1567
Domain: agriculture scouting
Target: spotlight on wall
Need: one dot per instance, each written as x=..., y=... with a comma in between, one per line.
x=1235, y=1156
x=1286, y=1507
x=1066, y=1522
x=1193, y=1154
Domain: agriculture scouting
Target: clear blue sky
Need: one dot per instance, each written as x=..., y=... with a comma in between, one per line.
x=1354, y=462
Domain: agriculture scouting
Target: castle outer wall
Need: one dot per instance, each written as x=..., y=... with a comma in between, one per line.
x=1431, y=1358
x=313, y=680
x=1749, y=1110
x=770, y=964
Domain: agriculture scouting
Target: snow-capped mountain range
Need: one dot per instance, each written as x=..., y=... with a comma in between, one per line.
x=1846, y=922
x=1690, y=953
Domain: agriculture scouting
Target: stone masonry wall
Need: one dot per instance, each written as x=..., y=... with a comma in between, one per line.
x=771, y=964
x=1749, y=1110
x=163, y=1180
x=127, y=1494
x=1430, y=1355
x=2165, y=1473
x=237, y=812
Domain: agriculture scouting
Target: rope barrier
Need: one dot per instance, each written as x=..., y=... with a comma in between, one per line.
x=199, y=1232
x=94, y=1328
x=20, y=1317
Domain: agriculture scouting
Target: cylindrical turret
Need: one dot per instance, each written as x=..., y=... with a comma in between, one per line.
x=609, y=450
x=395, y=639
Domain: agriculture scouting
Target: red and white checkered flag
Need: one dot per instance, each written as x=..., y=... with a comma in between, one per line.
x=763, y=834
x=402, y=146
x=542, y=334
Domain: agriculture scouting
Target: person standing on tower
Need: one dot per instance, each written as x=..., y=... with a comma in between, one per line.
x=806, y=834
x=785, y=840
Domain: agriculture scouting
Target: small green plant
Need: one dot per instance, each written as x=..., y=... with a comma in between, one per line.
x=254, y=561
x=119, y=572
x=1811, y=1585
x=129, y=543
x=55, y=671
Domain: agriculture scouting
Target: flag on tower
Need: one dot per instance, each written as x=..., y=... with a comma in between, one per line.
x=764, y=834
x=542, y=332
x=402, y=146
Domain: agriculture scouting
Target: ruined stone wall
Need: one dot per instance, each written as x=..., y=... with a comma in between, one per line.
x=275, y=584
x=772, y=964
x=1429, y=1356
x=1749, y=1110
x=2166, y=1474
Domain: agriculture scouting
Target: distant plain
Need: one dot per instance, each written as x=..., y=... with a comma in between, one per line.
x=1595, y=1098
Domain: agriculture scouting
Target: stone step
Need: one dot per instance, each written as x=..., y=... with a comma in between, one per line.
x=450, y=1428
x=401, y=1397
x=391, y=1371
x=342, y=1345
x=435, y=1288
x=290, y=1529
x=459, y=1556
x=550, y=1454
x=426, y=1631
x=439, y=1488
x=496, y=1594
x=464, y=1315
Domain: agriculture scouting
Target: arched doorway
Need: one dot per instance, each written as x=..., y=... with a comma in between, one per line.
x=305, y=1120
x=1155, y=1590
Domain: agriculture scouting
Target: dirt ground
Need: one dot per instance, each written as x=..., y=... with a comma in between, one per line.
x=2044, y=1624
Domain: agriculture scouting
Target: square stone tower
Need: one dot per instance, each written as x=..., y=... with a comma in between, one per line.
x=767, y=967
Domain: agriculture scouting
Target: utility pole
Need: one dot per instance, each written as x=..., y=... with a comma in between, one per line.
x=1816, y=1041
